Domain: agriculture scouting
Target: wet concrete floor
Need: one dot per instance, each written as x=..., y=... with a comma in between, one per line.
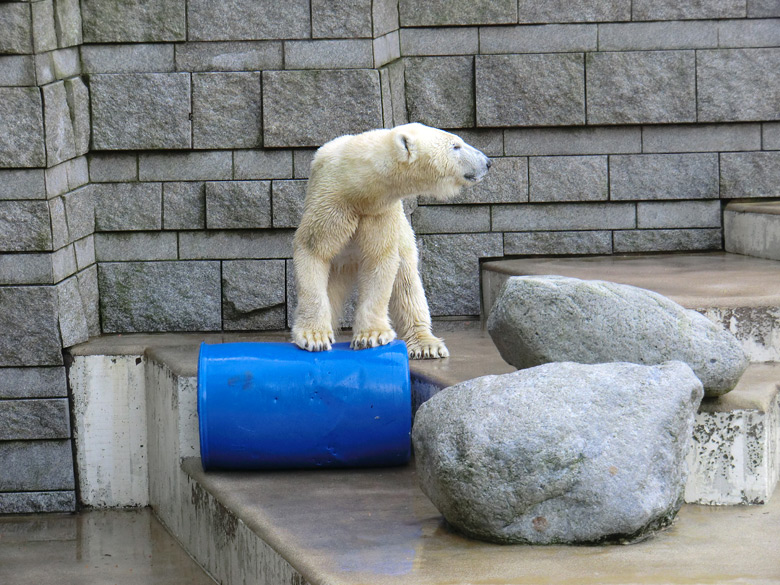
x=91, y=548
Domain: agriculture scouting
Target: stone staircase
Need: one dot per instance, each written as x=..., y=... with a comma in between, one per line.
x=753, y=228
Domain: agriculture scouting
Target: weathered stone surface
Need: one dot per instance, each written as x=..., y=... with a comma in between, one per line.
x=33, y=383
x=60, y=144
x=140, y=111
x=36, y=466
x=246, y=20
x=136, y=246
x=184, y=206
x=541, y=319
x=37, y=502
x=548, y=38
x=154, y=58
x=440, y=91
x=263, y=164
x=160, y=296
x=25, y=268
x=571, y=141
x=443, y=12
x=329, y=54
x=701, y=138
x=59, y=225
x=564, y=216
x=226, y=110
x=78, y=105
x=288, y=197
x=393, y=94
x=85, y=252
x=647, y=36
x=185, y=166
x=80, y=212
x=763, y=8
x=238, y=204
x=17, y=70
x=111, y=167
x=568, y=178
x=545, y=11
x=63, y=263
x=663, y=176
x=72, y=313
x=67, y=23
x=21, y=128
x=450, y=270
x=24, y=226
x=504, y=459
x=34, y=419
x=133, y=21
x=440, y=41
x=229, y=56
x=29, y=333
x=223, y=245
x=674, y=10
x=748, y=33
x=738, y=85
x=308, y=108
x=341, y=20
x=22, y=184
x=88, y=287
x=530, y=90
x=678, y=214
x=693, y=240
x=15, y=28
x=551, y=243
x=750, y=174
x=641, y=87
x=451, y=219
x=385, y=16
x=44, y=35
x=128, y=206
x=253, y=293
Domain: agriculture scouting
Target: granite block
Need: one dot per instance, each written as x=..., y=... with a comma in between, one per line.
x=29, y=331
x=44, y=34
x=59, y=225
x=136, y=246
x=128, y=206
x=648, y=36
x=451, y=219
x=60, y=143
x=341, y=20
x=242, y=244
x=749, y=33
x=17, y=70
x=133, y=21
x=549, y=38
x=77, y=95
x=663, y=176
x=548, y=11
x=80, y=212
x=328, y=54
x=88, y=287
x=568, y=178
x=25, y=226
x=558, y=243
x=749, y=174
x=67, y=23
x=770, y=137
x=229, y=56
x=37, y=502
x=126, y=58
x=21, y=128
x=572, y=141
x=693, y=240
x=678, y=214
x=36, y=466
x=185, y=166
x=288, y=197
x=25, y=268
x=456, y=12
x=385, y=16
x=246, y=20
x=238, y=204
x=253, y=294
x=22, y=184
x=675, y=10
x=263, y=164
x=440, y=91
x=184, y=206
x=226, y=110
x=111, y=167
x=33, y=383
x=763, y=8
x=440, y=41
x=701, y=138
x=15, y=28
x=72, y=313
x=563, y=217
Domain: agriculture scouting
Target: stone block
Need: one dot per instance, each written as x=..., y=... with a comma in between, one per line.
x=85, y=252
x=440, y=41
x=253, y=294
x=674, y=10
x=44, y=35
x=572, y=141
x=663, y=176
x=22, y=184
x=29, y=332
x=440, y=91
x=135, y=247
x=651, y=87
x=449, y=265
x=37, y=502
x=72, y=313
x=63, y=263
x=530, y=90
x=59, y=225
x=88, y=287
x=21, y=128
x=33, y=383
x=555, y=243
x=694, y=240
x=184, y=206
x=770, y=136
x=701, y=138
x=763, y=8
x=77, y=172
x=387, y=49
x=25, y=269
x=17, y=70
x=110, y=166
x=78, y=104
x=228, y=245
x=678, y=214
x=226, y=110
x=25, y=226
x=549, y=11
x=332, y=54
x=263, y=164
x=749, y=174
x=507, y=182
x=385, y=16
x=56, y=180
x=748, y=33
x=160, y=296
x=299, y=107
x=648, y=36
x=15, y=28
x=136, y=58
x=451, y=219
x=444, y=12
x=568, y=178
x=551, y=38
x=185, y=166
x=238, y=204
x=288, y=197
x=229, y=56
x=36, y=466
x=133, y=21
x=246, y=20
x=128, y=206
x=67, y=23
x=60, y=144
x=140, y=111
x=394, y=94
x=563, y=217
x=341, y=20
x=738, y=85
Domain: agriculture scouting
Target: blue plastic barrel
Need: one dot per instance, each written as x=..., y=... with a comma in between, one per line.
x=273, y=405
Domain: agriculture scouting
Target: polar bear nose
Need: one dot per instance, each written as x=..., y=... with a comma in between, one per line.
x=488, y=162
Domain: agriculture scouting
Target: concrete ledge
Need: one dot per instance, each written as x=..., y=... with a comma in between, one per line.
x=753, y=228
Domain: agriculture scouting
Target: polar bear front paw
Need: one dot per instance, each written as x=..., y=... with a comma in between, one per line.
x=426, y=347
x=312, y=340
x=371, y=338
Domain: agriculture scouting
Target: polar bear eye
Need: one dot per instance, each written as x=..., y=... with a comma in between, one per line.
x=456, y=147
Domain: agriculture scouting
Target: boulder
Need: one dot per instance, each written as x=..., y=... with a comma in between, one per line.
x=542, y=319
x=561, y=453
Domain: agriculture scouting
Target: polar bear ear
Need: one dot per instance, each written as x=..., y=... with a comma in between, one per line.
x=406, y=147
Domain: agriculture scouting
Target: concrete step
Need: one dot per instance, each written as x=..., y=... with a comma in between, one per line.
x=741, y=292
x=753, y=228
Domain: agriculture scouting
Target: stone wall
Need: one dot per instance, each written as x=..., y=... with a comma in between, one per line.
x=157, y=152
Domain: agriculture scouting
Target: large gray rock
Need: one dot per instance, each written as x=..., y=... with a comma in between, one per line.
x=560, y=453
x=541, y=319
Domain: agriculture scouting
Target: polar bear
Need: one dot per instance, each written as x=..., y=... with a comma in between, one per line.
x=354, y=228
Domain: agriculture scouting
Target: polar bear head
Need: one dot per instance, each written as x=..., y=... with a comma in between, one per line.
x=441, y=161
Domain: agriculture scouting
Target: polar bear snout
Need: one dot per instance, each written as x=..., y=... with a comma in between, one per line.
x=476, y=164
